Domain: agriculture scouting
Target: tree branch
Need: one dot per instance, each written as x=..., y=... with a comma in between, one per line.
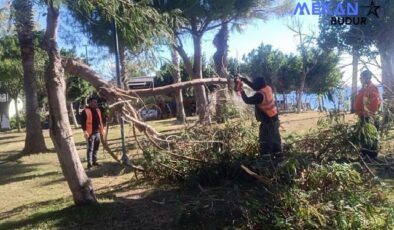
x=188, y=65
x=82, y=70
x=173, y=87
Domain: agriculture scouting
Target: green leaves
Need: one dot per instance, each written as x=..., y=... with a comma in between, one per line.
x=366, y=135
x=11, y=70
x=132, y=18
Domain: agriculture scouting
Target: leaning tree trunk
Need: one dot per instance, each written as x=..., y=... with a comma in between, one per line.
x=18, y=120
x=60, y=129
x=176, y=74
x=220, y=58
x=354, y=80
x=199, y=91
x=34, y=142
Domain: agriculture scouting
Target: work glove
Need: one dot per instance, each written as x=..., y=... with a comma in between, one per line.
x=86, y=135
x=240, y=77
x=238, y=85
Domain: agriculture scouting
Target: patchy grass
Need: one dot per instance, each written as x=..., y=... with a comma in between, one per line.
x=35, y=195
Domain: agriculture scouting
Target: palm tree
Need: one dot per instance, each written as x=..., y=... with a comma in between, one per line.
x=34, y=142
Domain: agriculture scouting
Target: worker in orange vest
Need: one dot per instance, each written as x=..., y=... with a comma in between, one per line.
x=266, y=112
x=366, y=105
x=92, y=126
x=368, y=98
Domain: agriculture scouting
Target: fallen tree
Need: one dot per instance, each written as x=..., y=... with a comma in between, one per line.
x=121, y=100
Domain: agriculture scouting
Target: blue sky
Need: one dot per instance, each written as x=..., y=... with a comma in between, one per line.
x=273, y=32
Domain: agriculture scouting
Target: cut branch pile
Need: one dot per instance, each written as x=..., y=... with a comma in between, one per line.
x=321, y=179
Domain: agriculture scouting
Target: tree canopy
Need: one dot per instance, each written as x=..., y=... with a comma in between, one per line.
x=11, y=70
x=284, y=71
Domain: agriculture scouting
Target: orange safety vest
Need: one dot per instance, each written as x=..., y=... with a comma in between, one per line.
x=367, y=101
x=268, y=104
x=89, y=121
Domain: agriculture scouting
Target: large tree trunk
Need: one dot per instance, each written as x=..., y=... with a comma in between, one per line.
x=34, y=142
x=176, y=74
x=386, y=51
x=220, y=58
x=60, y=129
x=199, y=91
x=18, y=120
x=354, y=79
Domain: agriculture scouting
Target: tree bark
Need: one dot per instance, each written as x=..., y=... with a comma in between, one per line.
x=176, y=74
x=34, y=142
x=299, y=93
x=60, y=129
x=386, y=51
x=220, y=58
x=354, y=79
x=199, y=90
x=123, y=69
x=73, y=115
x=18, y=120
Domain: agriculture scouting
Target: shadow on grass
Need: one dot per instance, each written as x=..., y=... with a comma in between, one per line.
x=14, y=156
x=52, y=182
x=8, y=180
x=145, y=213
x=9, y=172
x=107, y=169
x=11, y=141
x=134, y=204
x=8, y=137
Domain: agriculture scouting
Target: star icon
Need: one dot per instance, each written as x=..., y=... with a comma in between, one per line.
x=373, y=9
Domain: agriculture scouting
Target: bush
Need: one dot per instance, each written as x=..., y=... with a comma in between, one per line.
x=22, y=120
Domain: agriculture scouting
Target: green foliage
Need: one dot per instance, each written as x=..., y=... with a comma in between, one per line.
x=332, y=196
x=78, y=89
x=214, y=149
x=96, y=19
x=320, y=183
x=359, y=38
x=164, y=76
x=367, y=135
x=11, y=70
x=265, y=62
x=325, y=76
x=284, y=72
x=22, y=122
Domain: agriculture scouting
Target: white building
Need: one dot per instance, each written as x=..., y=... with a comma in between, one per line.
x=7, y=110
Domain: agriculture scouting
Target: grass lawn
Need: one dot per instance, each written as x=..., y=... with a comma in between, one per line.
x=34, y=193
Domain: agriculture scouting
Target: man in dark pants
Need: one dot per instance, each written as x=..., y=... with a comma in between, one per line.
x=92, y=126
x=265, y=111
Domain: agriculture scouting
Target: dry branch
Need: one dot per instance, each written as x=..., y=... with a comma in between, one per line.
x=260, y=178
